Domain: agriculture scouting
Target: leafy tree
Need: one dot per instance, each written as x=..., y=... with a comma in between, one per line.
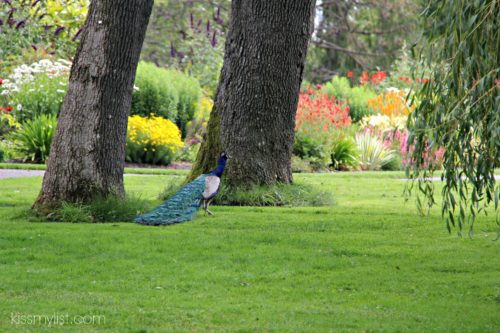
x=356, y=35
x=188, y=35
x=459, y=109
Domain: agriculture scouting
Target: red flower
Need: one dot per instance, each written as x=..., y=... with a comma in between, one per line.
x=8, y=108
x=318, y=86
x=424, y=80
x=407, y=79
x=417, y=79
x=349, y=74
x=1, y=81
x=400, y=78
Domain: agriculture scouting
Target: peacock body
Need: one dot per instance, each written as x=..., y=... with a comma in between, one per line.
x=183, y=205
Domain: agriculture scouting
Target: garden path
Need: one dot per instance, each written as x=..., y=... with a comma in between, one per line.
x=16, y=173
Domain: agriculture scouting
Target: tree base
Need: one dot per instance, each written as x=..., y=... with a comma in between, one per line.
x=277, y=195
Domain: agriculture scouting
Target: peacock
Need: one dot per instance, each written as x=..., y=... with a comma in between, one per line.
x=184, y=205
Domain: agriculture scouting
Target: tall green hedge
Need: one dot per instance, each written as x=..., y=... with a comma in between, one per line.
x=165, y=92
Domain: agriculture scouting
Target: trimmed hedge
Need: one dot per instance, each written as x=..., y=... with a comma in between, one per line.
x=167, y=93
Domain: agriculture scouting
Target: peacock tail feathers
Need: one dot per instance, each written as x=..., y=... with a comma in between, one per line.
x=181, y=207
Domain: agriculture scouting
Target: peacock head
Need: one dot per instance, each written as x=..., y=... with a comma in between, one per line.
x=224, y=156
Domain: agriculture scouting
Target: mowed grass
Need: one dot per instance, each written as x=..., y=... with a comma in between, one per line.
x=367, y=264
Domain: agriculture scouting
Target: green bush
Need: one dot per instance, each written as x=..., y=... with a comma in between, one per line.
x=8, y=123
x=344, y=154
x=356, y=97
x=394, y=164
x=165, y=92
x=32, y=141
x=41, y=96
x=300, y=165
x=5, y=150
x=311, y=151
x=188, y=153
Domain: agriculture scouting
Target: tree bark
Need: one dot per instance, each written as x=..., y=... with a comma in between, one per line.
x=88, y=150
x=257, y=97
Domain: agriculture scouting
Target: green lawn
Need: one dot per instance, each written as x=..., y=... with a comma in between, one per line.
x=368, y=264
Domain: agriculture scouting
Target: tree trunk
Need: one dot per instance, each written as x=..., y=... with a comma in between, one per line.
x=88, y=150
x=257, y=97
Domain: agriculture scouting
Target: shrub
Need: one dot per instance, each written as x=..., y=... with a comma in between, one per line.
x=384, y=123
x=33, y=139
x=36, y=89
x=373, y=154
x=7, y=123
x=314, y=152
x=153, y=140
x=318, y=120
x=394, y=164
x=196, y=128
x=344, y=154
x=300, y=165
x=188, y=153
x=42, y=96
x=391, y=103
x=356, y=97
x=165, y=92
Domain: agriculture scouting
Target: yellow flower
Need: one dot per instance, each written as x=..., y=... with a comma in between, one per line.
x=154, y=131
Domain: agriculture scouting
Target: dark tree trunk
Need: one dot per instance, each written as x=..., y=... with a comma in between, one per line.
x=254, y=113
x=87, y=153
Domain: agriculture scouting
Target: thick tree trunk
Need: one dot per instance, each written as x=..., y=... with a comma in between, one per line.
x=258, y=91
x=87, y=153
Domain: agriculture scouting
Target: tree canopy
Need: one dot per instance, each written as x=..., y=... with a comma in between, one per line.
x=459, y=108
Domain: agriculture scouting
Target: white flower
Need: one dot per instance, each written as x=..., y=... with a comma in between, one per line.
x=19, y=107
x=60, y=91
x=5, y=92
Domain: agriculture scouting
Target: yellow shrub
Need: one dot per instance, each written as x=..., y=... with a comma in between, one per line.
x=157, y=131
x=152, y=140
x=391, y=103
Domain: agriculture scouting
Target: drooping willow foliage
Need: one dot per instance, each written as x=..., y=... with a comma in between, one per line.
x=459, y=109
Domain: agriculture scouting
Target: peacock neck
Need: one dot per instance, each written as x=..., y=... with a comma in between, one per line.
x=220, y=169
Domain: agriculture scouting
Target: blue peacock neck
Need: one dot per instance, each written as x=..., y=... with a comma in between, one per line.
x=220, y=168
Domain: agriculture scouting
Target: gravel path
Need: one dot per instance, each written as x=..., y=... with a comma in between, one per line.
x=16, y=173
